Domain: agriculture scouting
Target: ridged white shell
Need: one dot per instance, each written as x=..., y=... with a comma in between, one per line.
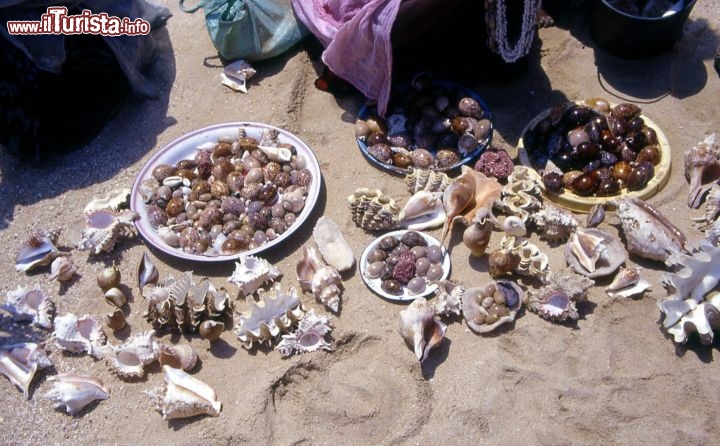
x=372, y=210
x=184, y=396
x=76, y=391
x=113, y=201
x=308, y=337
x=269, y=317
x=251, y=273
x=702, y=319
x=19, y=362
x=104, y=228
x=448, y=298
x=30, y=305
x=322, y=280
x=129, y=359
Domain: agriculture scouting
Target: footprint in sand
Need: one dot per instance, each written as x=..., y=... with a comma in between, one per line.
x=327, y=397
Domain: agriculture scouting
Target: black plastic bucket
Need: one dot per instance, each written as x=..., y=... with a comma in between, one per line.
x=634, y=37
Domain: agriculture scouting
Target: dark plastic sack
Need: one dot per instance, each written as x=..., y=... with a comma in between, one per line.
x=250, y=29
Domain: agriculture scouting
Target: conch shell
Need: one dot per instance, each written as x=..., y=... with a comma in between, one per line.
x=253, y=272
x=322, y=280
x=76, y=391
x=19, y=362
x=627, y=283
x=62, y=269
x=184, y=396
x=648, y=233
x=702, y=168
x=466, y=196
x=420, y=329
x=423, y=210
x=335, y=250
x=594, y=253
x=38, y=250
x=269, y=317
x=180, y=356
x=308, y=337
x=79, y=335
x=30, y=305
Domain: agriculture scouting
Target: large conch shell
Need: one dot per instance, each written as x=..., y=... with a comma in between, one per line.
x=372, y=210
x=423, y=210
x=322, y=280
x=76, y=391
x=594, y=253
x=471, y=192
x=184, y=396
x=269, y=317
x=487, y=307
x=253, y=272
x=648, y=233
x=702, y=168
x=698, y=275
x=104, y=228
x=308, y=337
x=335, y=250
x=19, y=362
x=79, y=335
x=30, y=305
x=38, y=250
x=420, y=329
x=555, y=301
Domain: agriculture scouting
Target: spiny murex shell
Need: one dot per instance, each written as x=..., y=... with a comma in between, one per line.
x=79, y=335
x=554, y=223
x=104, y=228
x=448, y=298
x=30, y=305
x=38, y=250
x=76, y=391
x=19, y=362
x=372, y=210
x=270, y=316
x=308, y=337
x=183, y=305
x=322, y=280
x=128, y=360
x=420, y=329
x=335, y=250
x=487, y=307
x=521, y=196
x=556, y=300
x=427, y=180
x=698, y=274
x=648, y=233
x=184, y=396
x=253, y=272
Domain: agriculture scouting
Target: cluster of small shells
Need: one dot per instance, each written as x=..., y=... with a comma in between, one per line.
x=431, y=128
x=593, y=149
x=405, y=263
x=233, y=196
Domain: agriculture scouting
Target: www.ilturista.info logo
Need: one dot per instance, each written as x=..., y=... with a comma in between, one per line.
x=56, y=21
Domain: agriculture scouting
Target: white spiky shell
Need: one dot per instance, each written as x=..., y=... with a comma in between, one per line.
x=251, y=273
x=128, y=360
x=554, y=223
x=448, y=298
x=30, y=305
x=104, y=228
x=276, y=312
x=76, y=391
x=184, y=396
x=19, y=362
x=308, y=337
x=79, y=335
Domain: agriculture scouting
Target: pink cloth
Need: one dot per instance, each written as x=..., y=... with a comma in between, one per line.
x=356, y=36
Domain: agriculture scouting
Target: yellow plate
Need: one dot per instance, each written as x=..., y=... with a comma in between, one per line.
x=580, y=203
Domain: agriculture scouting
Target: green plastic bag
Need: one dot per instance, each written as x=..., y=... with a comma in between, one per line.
x=250, y=29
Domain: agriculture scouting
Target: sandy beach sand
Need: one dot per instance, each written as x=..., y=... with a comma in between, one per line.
x=613, y=378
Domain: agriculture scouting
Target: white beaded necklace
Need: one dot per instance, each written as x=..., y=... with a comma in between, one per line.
x=496, y=22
